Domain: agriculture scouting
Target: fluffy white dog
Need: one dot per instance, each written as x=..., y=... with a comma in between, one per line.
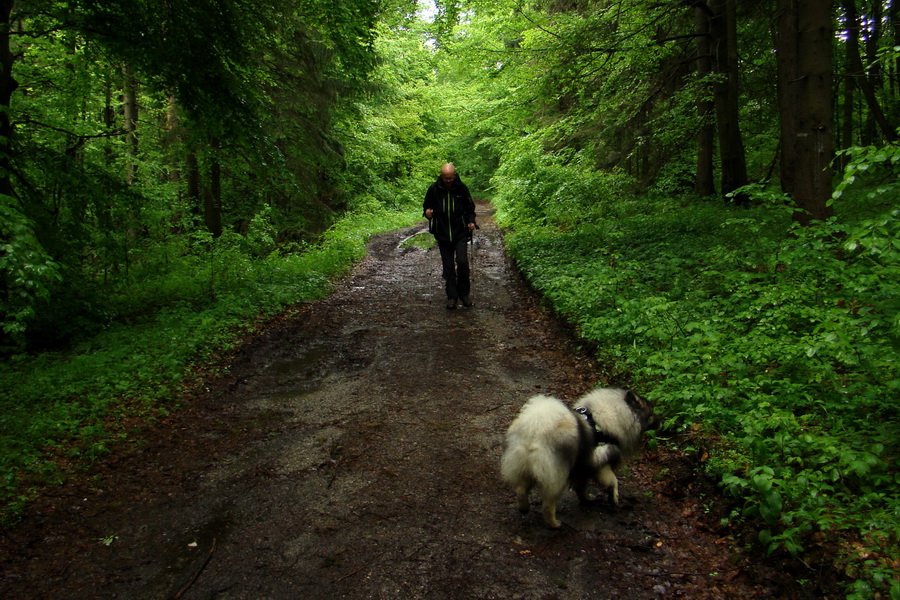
x=551, y=446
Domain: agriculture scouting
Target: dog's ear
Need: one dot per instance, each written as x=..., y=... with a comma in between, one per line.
x=641, y=406
x=634, y=401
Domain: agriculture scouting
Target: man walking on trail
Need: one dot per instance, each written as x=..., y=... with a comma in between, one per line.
x=450, y=211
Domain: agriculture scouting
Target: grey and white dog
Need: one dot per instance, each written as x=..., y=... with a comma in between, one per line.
x=551, y=446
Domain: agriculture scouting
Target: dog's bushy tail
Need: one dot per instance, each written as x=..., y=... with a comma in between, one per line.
x=607, y=458
x=533, y=465
x=608, y=455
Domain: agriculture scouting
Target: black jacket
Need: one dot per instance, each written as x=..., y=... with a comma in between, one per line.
x=453, y=210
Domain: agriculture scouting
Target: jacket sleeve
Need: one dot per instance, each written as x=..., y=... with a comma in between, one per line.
x=429, y=200
x=470, y=208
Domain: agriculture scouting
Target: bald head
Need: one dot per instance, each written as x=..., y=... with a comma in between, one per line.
x=448, y=174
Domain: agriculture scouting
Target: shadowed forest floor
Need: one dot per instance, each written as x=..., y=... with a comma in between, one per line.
x=353, y=452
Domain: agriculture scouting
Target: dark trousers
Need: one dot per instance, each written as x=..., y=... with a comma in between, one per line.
x=455, y=263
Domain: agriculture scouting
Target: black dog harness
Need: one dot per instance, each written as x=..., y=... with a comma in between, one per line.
x=600, y=437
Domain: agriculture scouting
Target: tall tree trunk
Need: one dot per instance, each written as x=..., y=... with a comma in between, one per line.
x=723, y=28
x=174, y=174
x=859, y=73
x=130, y=108
x=894, y=16
x=849, y=86
x=847, y=125
x=706, y=139
x=874, y=15
x=192, y=175
x=109, y=117
x=8, y=85
x=212, y=197
x=805, y=40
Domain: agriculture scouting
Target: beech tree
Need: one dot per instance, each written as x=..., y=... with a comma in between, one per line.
x=867, y=80
x=805, y=40
x=8, y=85
x=705, y=182
x=723, y=31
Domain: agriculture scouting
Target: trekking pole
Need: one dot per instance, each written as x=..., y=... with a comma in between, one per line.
x=472, y=257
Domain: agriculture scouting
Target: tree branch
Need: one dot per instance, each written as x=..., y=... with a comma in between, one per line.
x=81, y=138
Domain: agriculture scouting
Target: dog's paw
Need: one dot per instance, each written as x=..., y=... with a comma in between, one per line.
x=523, y=504
x=587, y=498
x=550, y=517
x=614, y=497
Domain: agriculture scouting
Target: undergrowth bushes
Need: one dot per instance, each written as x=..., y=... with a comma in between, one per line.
x=561, y=190
x=169, y=325
x=780, y=342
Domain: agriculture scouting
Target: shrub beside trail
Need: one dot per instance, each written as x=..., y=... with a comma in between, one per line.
x=777, y=343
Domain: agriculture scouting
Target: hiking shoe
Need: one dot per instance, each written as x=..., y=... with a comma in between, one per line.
x=451, y=303
x=467, y=302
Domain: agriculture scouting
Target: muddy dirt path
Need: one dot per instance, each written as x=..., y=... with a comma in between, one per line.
x=353, y=452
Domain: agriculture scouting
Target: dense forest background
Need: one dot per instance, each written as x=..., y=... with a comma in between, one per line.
x=707, y=190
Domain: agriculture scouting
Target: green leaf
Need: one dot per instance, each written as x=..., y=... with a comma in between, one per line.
x=770, y=507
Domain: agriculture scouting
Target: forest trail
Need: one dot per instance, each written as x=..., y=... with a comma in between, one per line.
x=353, y=452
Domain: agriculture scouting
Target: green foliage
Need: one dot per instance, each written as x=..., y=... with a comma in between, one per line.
x=781, y=341
x=236, y=99
x=204, y=52
x=880, y=164
x=387, y=136
x=559, y=189
x=348, y=26
x=27, y=273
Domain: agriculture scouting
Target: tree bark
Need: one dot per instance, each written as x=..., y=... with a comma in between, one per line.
x=212, y=197
x=858, y=72
x=192, y=175
x=705, y=183
x=846, y=132
x=804, y=53
x=130, y=108
x=174, y=174
x=894, y=16
x=723, y=28
x=873, y=66
x=8, y=85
